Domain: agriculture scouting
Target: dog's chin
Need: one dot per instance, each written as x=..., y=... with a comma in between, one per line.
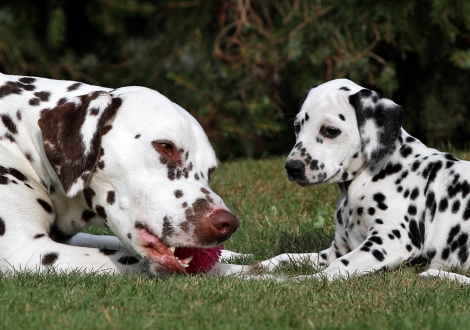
x=167, y=260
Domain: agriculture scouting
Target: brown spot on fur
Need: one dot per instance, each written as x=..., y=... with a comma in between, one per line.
x=196, y=176
x=9, y=124
x=62, y=101
x=29, y=157
x=137, y=136
x=49, y=259
x=106, y=129
x=178, y=193
x=60, y=129
x=43, y=96
x=18, y=115
x=9, y=88
x=34, y=102
x=17, y=174
x=101, y=212
x=111, y=197
x=39, y=236
x=195, y=215
x=184, y=226
x=205, y=191
x=89, y=194
x=27, y=80
x=73, y=87
x=168, y=229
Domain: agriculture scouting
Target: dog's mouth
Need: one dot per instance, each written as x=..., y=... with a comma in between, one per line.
x=179, y=259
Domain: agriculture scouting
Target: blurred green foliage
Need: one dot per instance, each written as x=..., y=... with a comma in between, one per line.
x=240, y=66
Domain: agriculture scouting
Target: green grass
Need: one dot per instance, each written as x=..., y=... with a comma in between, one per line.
x=276, y=216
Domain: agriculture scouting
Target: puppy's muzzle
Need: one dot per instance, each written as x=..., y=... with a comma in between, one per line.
x=295, y=169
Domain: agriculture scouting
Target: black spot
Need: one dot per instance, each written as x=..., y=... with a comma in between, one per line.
x=371, y=211
x=379, y=221
x=466, y=212
x=342, y=117
x=412, y=210
x=128, y=260
x=443, y=204
x=390, y=169
x=455, y=206
x=39, y=236
x=108, y=252
x=378, y=255
x=414, y=234
x=2, y=227
x=360, y=210
x=137, y=136
x=306, y=117
x=452, y=233
x=405, y=151
x=445, y=253
x=431, y=254
x=339, y=218
x=45, y=205
x=396, y=232
x=376, y=239
x=345, y=262
x=414, y=194
x=49, y=259
x=129, y=235
x=345, y=89
x=323, y=256
x=408, y=247
x=87, y=215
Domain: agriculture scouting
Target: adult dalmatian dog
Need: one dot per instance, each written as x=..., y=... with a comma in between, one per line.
x=75, y=155
x=400, y=200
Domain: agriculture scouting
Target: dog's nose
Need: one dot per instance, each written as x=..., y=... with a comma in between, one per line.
x=295, y=168
x=225, y=224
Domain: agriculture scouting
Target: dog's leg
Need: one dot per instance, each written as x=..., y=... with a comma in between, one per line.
x=44, y=253
x=96, y=241
x=317, y=260
x=436, y=273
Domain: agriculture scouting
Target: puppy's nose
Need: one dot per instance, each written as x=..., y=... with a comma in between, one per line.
x=295, y=168
x=225, y=224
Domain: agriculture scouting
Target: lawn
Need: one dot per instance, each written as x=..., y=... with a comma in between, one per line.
x=276, y=216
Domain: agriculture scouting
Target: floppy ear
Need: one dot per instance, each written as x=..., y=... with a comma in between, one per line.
x=379, y=120
x=71, y=137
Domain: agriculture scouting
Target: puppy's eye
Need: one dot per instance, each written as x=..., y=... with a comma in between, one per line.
x=297, y=128
x=330, y=132
x=165, y=147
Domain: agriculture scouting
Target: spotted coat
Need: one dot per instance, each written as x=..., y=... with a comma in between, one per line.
x=400, y=201
x=75, y=155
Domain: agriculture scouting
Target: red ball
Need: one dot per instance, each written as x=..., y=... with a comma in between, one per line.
x=203, y=258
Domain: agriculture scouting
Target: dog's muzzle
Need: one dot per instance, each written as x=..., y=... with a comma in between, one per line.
x=295, y=170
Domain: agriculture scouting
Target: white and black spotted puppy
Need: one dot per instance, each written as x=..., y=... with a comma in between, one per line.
x=74, y=155
x=400, y=200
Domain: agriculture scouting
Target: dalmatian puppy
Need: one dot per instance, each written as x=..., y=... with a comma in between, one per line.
x=75, y=155
x=400, y=200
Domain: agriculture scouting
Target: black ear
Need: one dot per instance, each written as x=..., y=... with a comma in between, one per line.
x=71, y=137
x=379, y=120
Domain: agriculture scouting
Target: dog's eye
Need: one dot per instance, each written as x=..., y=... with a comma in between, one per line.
x=165, y=147
x=330, y=132
x=297, y=128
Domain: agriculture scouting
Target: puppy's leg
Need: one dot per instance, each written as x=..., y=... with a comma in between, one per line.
x=376, y=252
x=436, y=273
x=317, y=260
